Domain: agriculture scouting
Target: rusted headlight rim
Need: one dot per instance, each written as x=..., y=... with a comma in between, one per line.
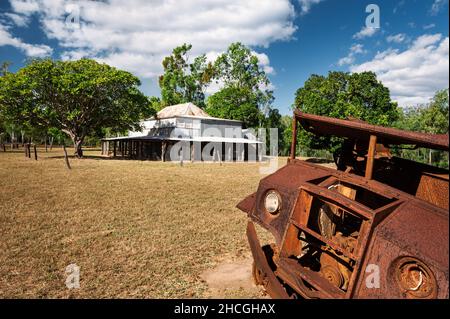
x=280, y=202
x=404, y=268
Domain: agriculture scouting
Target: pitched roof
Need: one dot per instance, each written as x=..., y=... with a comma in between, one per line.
x=185, y=109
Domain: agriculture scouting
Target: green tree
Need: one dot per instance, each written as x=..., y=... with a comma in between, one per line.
x=78, y=97
x=155, y=103
x=245, y=95
x=236, y=104
x=428, y=118
x=183, y=81
x=342, y=95
x=4, y=68
x=286, y=137
x=435, y=116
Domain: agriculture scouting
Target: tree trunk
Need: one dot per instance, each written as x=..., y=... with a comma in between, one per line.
x=66, y=159
x=78, y=150
x=77, y=143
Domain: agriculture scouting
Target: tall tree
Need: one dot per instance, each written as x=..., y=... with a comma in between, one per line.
x=343, y=95
x=435, y=116
x=245, y=95
x=236, y=104
x=183, y=81
x=4, y=68
x=430, y=118
x=78, y=97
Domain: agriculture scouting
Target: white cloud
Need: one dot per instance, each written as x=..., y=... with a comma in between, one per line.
x=429, y=26
x=357, y=48
x=136, y=34
x=26, y=7
x=353, y=51
x=365, y=32
x=349, y=59
x=415, y=74
x=264, y=62
x=397, y=38
x=18, y=20
x=305, y=5
x=31, y=50
x=437, y=6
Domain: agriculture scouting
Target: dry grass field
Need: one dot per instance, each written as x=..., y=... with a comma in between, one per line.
x=135, y=228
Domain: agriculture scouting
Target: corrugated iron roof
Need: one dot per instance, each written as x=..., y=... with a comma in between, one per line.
x=185, y=109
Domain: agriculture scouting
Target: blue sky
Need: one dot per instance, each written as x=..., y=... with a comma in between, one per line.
x=293, y=39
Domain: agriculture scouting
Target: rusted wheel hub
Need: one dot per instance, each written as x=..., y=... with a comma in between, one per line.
x=333, y=275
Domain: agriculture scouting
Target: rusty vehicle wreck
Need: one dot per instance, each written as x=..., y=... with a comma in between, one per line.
x=335, y=228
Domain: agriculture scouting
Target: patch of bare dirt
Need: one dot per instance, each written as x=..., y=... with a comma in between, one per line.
x=232, y=279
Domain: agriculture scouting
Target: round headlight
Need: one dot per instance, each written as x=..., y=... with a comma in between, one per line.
x=272, y=202
x=414, y=278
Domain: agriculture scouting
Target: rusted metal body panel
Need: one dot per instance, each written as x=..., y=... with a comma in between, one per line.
x=335, y=230
x=270, y=282
x=413, y=230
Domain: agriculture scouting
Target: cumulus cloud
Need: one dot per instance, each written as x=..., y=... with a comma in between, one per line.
x=365, y=32
x=397, y=38
x=429, y=26
x=31, y=50
x=415, y=74
x=135, y=35
x=18, y=20
x=264, y=62
x=353, y=51
x=26, y=7
x=305, y=5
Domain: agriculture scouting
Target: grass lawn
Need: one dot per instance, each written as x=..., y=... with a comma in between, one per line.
x=135, y=228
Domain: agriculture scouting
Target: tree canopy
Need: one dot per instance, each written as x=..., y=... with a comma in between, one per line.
x=183, y=81
x=245, y=95
x=343, y=95
x=429, y=118
x=236, y=104
x=78, y=97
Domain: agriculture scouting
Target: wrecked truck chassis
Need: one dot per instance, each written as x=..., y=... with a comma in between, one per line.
x=402, y=233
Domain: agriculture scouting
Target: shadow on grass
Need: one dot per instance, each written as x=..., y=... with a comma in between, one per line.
x=99, y=158
x=319, y=160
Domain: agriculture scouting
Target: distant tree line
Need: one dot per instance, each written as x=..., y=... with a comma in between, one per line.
x=432, y=118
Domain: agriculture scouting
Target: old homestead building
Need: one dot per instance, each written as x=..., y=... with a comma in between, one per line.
x=186, y=132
